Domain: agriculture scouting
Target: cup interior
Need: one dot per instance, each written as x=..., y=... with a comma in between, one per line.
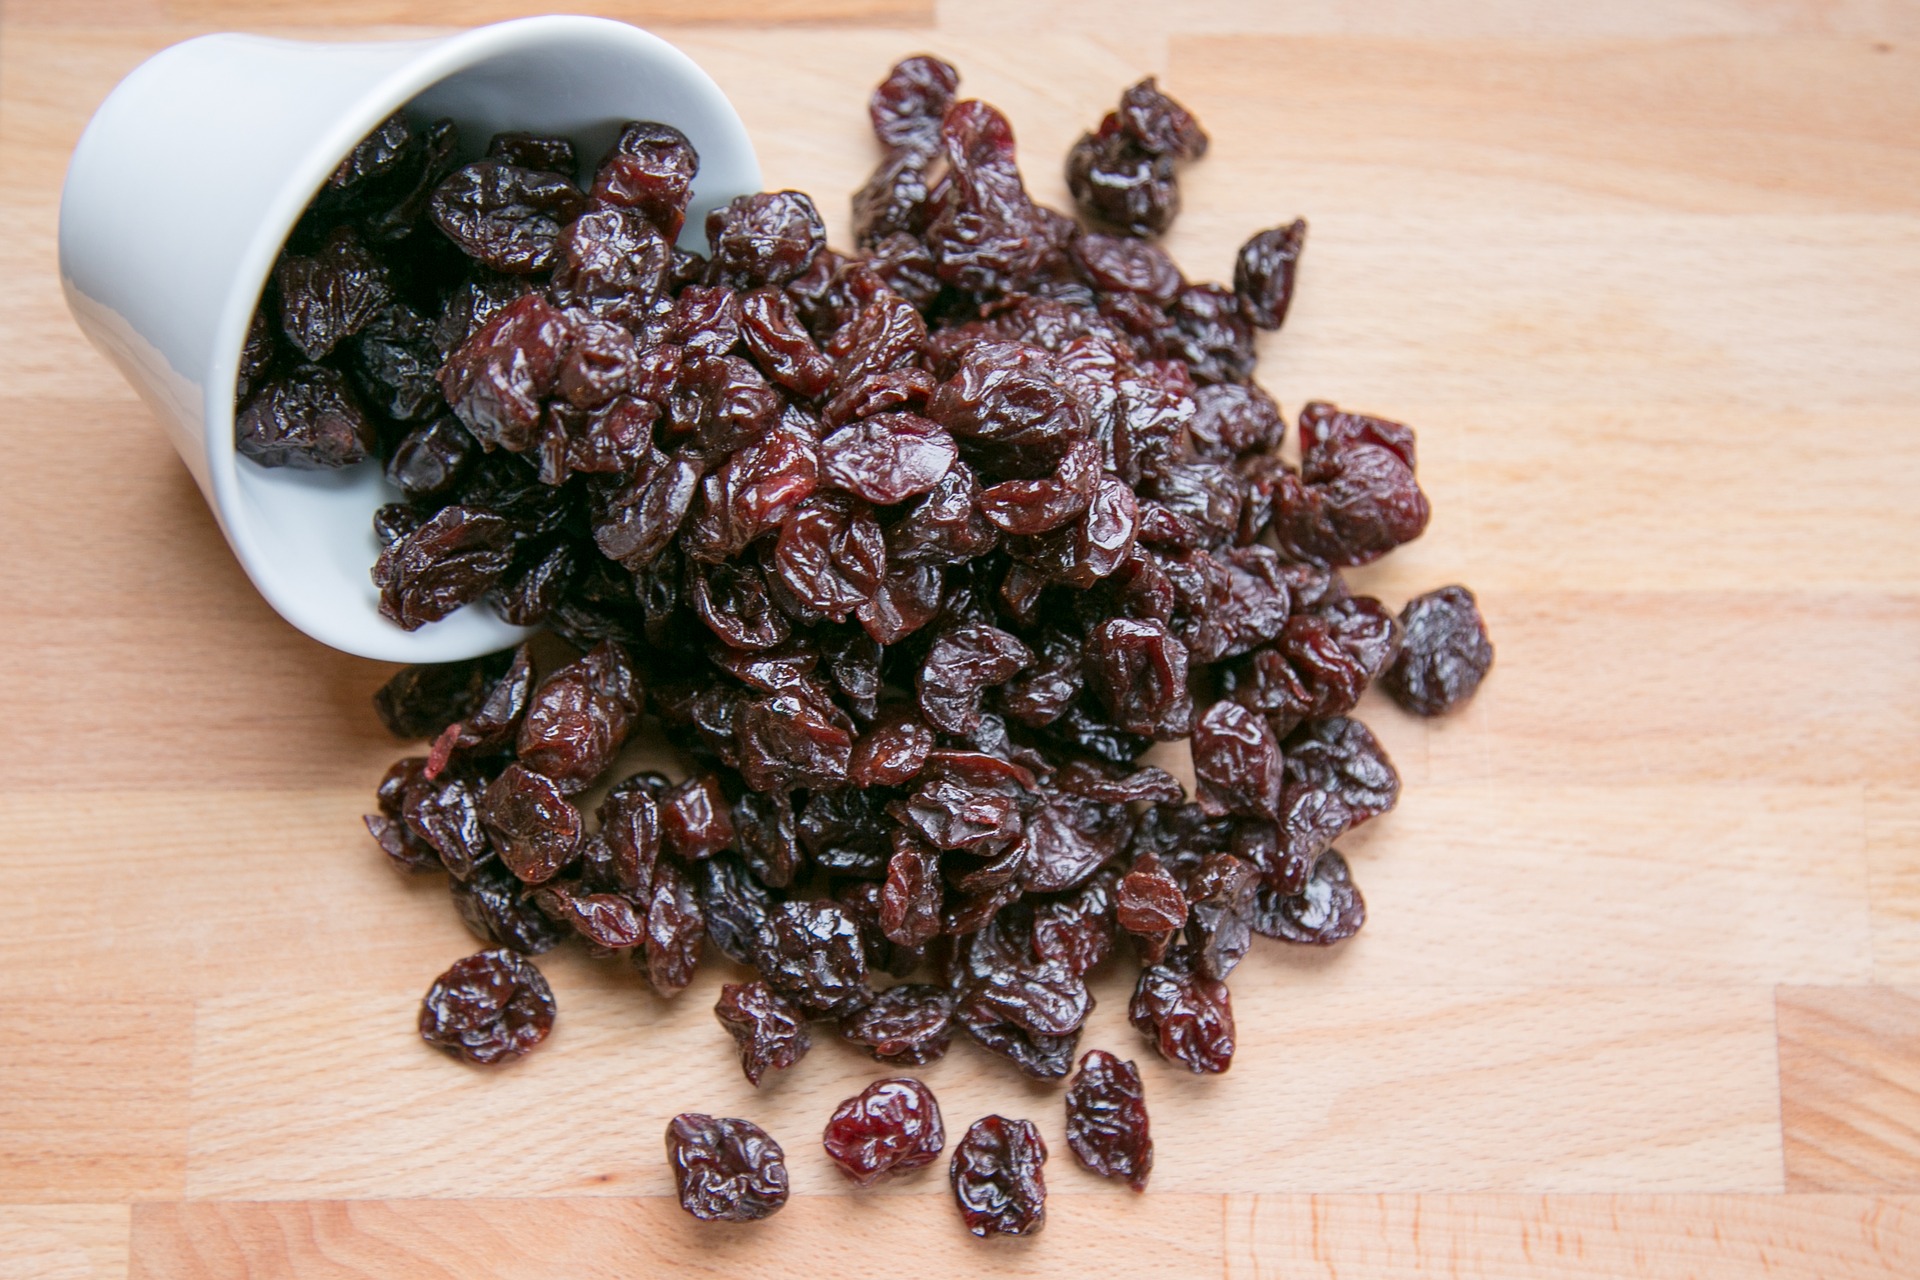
x=306, y=537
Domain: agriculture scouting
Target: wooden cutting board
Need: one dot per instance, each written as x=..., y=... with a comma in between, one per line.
x=1646, y=278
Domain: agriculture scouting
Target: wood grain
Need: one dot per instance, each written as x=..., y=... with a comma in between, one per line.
x=64, y=1242
x=95, y=1105
x=1850, y=1088
x=1571, y=1237
x=256, y=14
x=1646, y=278
x=1124, y=1236
x=1893, y=863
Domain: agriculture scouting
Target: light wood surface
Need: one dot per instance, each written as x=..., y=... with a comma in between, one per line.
x=1646, y=278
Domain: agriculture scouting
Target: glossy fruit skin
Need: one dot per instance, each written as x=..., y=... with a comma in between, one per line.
x=1122, y=174
x=810, y=952
x=892, y=1127
x=765, y=239
x=1329, y=910
x=1107, y=1127
x=913, y=551
x=451, y=560
x=771, y=1034
x=495, y=906
x=307, y=418
x=506, y=217
x=489, y=1008
x=998, y=1177
x=534, y=827
x=1185, y=1015
x=579, y=718
x=726, y=1170
x=1263, y=273
x=1446, y=653
x=907, y=1025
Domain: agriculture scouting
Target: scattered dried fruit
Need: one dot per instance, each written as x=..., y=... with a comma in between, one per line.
x=892, y=1127
x=997, y=1174
x=1107, y=1119
x=913, y=551
x=726, y=1170
x=488, y=1008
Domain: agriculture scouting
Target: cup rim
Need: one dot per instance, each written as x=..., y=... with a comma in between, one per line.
x=439, y=57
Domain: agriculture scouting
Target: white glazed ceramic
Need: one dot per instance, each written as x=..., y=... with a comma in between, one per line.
x=189, y=177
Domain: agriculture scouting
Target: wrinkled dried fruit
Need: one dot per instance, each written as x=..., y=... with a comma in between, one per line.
x=534, y=826
x=912, y=551
x=726, y=1170
x=1107, y=1119
x=488, y=1008
x=908, y=1025
x=892, y=1127
x=997, y=1175
x=810, y=953
x=771, y=1033
x=1185, y=1015
x=1445, y=655
x=306, y=418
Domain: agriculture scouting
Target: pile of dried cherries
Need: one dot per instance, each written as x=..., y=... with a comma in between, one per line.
x=915, y=551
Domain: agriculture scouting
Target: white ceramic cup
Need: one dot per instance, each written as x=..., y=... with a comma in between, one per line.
x=192, y=172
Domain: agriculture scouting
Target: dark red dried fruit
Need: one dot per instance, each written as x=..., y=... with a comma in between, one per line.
x=305, y=418
x=1329, y=910
x=789, y=741
x=772, y=1035
x=489, y=1008
x=888, y=457
x=726, y=1170
x=1185, y=1015
x=892, y=1127
x=771, y=325
x=497, y=378
x=915, y=551
x=1140, y=671
x=607, y=921
x=909, y=104
x=1356, y=497
x=1263, y=274
x=497, y=908
x=988, y=236
x=811, y=954
x=1238, y=762
x=504, y=216
x=911, y=899
x=535, y=828
x=767, y=238
x=962, y=664
x=1123, y=173
x=451, y=560
x=831, y=554
x=1107, y=1125
x=908, y=1025
x=579, y=718
x=997, y=1175
x=430, y=460
x=1151, y=906
x=535, y=151
x=675, y=931
x=445, y=815
x=1220, y=914
x=1445, y=655
x=649, y=170
x=891, y=752
x=696, y=818
x=330, y=296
